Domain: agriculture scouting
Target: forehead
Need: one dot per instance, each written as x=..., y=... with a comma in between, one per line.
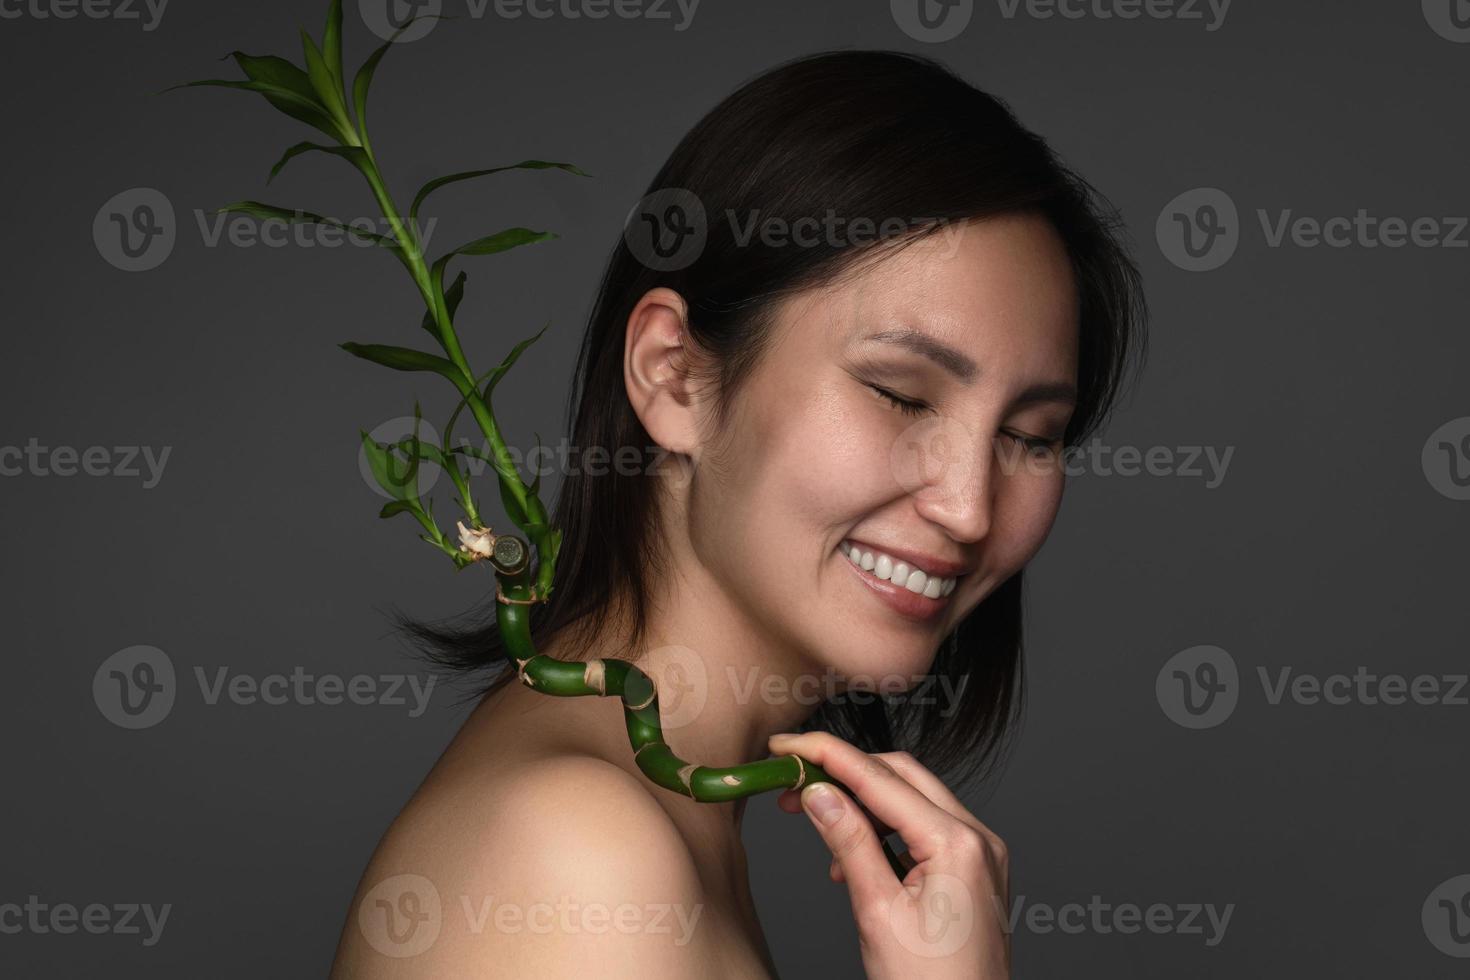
x=997, y=286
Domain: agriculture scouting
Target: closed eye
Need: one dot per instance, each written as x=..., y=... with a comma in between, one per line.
x=905, y=405
x=1034, y=444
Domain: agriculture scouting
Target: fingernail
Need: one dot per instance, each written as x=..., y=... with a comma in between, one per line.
x=822, y=803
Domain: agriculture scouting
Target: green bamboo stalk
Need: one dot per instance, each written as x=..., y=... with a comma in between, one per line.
x=317, y=95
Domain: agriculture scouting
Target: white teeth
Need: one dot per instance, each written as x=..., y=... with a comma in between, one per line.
x=899, y=573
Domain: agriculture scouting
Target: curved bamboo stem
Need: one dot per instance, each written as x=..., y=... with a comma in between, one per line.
x=612, y=677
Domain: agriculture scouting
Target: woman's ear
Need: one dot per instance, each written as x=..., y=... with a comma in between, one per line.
x=656, y=363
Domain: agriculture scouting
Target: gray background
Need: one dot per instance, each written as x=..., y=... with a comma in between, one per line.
x=1326, y=547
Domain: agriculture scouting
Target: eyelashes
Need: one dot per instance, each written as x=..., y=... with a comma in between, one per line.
x=904, y=405
x=911, y=407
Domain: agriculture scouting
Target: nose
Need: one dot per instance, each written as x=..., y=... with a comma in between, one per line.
x=956, y=470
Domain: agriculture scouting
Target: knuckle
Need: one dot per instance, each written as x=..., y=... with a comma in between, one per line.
x=848, y=836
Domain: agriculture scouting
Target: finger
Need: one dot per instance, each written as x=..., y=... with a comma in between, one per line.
x=835, y=871
x=923, y=825
x=855, y=848
x=933, y=787
x=790, y=801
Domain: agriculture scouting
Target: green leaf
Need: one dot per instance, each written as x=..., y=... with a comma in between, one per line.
x=439, y=182
x=505, y=365
x=364, y=79
x=332, y=43
x=402, y=358
x=259, y=210
x=452, y=297
x=352, y=154
x=394, y=507
x=292, y=103
x=400, y=484
x=499, y=242
x=326, y=87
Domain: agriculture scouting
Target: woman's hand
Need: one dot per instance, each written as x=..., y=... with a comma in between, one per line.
x=945, y=918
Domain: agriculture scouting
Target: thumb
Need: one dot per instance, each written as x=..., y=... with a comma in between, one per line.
x=857, y=853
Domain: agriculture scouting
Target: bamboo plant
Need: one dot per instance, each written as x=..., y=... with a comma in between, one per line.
x=318, y=95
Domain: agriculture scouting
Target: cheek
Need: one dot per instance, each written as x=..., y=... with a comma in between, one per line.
x=1026, y=508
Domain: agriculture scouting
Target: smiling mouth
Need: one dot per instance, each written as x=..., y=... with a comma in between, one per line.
x=880, y=567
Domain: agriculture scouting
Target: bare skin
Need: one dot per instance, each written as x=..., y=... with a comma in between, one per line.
x=760, y=602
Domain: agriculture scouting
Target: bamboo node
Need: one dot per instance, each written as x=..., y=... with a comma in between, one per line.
x=594, y=675
x=639, y=707
x=507, y=600
x=685, y=772
x=800, y=772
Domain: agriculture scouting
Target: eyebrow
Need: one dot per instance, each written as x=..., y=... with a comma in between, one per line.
x=962, y=367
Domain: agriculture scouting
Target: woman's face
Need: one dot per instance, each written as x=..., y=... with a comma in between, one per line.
x=976, y=327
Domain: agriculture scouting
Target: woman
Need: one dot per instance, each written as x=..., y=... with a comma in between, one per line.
x=858, y=371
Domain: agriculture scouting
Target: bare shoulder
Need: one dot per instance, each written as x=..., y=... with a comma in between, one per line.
x=549, y=866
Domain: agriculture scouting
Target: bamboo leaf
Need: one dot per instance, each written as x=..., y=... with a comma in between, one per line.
x=352, y=154
x=394, y=507
x=259, y=210
x=332, y=44
x=505, y=365
x=402, y=486
x=326, y=86
x=364, y=79
x=402, y=358
x=292, y=103
x=499, y=242
x=438, y=182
